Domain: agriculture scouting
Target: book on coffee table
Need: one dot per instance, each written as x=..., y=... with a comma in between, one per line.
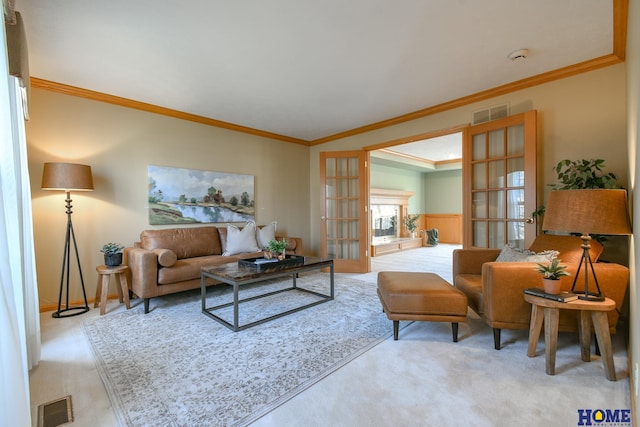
x=561, y=297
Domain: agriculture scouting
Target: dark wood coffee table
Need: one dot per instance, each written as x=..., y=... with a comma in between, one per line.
x=237, y=275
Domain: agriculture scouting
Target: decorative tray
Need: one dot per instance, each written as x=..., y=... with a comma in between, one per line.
x=262, y=264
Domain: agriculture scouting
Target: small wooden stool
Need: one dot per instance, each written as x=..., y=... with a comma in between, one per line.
x=104, y=274
x=546, y=311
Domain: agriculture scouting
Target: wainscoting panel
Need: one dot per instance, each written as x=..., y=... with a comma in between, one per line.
x=449, y=227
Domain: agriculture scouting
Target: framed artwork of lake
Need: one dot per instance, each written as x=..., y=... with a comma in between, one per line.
x=190, y=196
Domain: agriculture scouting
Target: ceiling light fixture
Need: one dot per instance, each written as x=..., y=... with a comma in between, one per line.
x=518, y=55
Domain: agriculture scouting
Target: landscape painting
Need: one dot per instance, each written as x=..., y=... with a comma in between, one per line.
x=188, y=196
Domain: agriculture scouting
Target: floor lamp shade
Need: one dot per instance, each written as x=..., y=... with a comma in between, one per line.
x=68, y=177
x=593, y=211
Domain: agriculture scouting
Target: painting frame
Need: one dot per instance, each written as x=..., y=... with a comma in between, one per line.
x=192, y=196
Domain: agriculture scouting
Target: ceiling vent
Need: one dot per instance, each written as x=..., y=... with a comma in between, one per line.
x=492, y=113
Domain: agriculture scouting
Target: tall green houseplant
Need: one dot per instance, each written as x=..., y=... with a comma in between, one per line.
x=581, y=175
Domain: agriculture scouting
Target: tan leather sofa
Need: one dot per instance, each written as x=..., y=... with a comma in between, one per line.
x=495, y=289
x=170, y=260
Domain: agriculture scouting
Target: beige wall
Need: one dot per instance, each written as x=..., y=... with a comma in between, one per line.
x=119, y=143
x=578, y=117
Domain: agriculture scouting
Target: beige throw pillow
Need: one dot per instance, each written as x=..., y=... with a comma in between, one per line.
x=265, y=234
x=241, y=241
x=510, y=254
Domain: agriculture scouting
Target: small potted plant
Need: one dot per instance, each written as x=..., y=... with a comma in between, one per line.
x=411, y=222
x=551, y=274
x=278, y=247
x=112, y=254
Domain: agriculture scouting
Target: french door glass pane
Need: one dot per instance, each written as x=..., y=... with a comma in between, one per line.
x=496, y=173
x=342, y=167
x=479, y=176
x=330, y=187
x=496, y=234
x=331, y=228
x=515, y=204
x=331, y=211
x=515, y=231
x=515, y=140
x=479, y=147
x=330, y=167
x=354, y=229
x=480, y=205
x=496, y=204
x=480, y=234
x=496, y=143
x=515, y=172
x=353, y=166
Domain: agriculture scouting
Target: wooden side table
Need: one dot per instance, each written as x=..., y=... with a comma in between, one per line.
x=122, y=286
x=549, y=310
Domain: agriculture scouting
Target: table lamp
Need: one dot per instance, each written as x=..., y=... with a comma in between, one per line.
x=593, y=211
x=67, y=177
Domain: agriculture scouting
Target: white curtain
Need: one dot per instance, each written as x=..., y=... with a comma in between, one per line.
x=19, y=315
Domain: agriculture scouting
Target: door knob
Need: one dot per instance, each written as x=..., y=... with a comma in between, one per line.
x=529, y=220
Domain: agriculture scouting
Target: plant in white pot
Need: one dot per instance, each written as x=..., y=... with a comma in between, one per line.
x=411, y=222
x=551, y=274
x=112, y=254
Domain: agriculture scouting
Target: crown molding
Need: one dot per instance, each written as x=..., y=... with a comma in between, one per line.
x=620, y=13
x=151, y=108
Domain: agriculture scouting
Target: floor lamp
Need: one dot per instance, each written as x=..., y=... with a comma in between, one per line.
x=67, y=177
x=598, y=211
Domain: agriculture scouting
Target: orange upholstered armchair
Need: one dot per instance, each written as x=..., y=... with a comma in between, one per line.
x=495, y=289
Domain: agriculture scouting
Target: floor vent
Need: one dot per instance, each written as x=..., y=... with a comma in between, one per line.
x=492, y=113
x=55, y=413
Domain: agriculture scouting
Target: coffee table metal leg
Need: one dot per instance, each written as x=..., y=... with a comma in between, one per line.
x=332, y=283
x=235, y=307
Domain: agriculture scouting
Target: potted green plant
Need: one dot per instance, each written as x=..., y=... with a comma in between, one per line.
x=278, y=247
x=580, y=175
x=551, y=274
x=411, y=222
x=112, y=254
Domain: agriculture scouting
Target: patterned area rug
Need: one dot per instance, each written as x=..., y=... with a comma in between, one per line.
x=177, y=367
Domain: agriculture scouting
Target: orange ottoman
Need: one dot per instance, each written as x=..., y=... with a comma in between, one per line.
x=421, y=296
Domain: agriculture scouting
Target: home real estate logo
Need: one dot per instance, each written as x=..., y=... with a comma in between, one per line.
x=604, y=417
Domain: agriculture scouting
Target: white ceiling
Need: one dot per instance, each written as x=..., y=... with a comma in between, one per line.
x=306, y=69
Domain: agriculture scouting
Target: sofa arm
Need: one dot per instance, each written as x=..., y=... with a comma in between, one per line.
x=503, y=284
x=143, y=265
x=294, y=245
x=470, y=261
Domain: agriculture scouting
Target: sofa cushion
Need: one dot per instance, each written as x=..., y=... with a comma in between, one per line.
x=569, y=247
x=166, y=257
x=189, y=269
x=184, y=242
x=265, y=234
x=471, y=285
x=510, y=254
x=241, y=240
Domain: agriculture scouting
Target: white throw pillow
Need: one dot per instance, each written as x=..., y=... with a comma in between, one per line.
x=265, y=234
x=510, y=254
x=241, y=241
